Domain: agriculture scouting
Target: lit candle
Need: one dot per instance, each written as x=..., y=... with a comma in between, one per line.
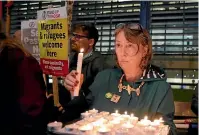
x=79, y=70
x=93, y=111
x=115, y=114
x=85, y=128
x=133, y=119
x=104, y=130
x=125, y=116
x=85, y=114
x=127, y=125
x=54, y=126
x=155, y=123
x=144, y=122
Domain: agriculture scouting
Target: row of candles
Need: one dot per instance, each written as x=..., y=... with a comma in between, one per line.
x=104, y=123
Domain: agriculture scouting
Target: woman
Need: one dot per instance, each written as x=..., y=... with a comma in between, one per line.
x=135, y=86
x=23, y=96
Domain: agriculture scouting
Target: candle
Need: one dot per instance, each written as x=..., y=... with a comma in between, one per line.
x=127, y=125
x=86, y=128
x=155, y=123
x=125, y=116
x=133, y=119
x=144, y=122
x=93, y=111
x=115, y=114
x=104, y=130
x=85, y=114
x=79, y=70
x=54, y=126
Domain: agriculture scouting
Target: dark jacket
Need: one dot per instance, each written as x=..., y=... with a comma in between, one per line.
x=23, y=96
x=194, y=103
x=155, y=99
x=90, y=68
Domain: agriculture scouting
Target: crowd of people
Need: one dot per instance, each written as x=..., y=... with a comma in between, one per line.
x=27, y=109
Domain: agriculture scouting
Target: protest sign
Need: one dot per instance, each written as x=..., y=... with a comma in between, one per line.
x=53, y=41
x=29, y=37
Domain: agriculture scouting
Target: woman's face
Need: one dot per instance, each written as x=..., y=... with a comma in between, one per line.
x=129, y=54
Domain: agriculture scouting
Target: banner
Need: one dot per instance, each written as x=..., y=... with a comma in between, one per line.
x=53, y=41
x=29, y=37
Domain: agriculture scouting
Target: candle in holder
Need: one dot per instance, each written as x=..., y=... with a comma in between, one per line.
x=155, y=123
x=104, y=131
x=93, y=111
x=133, y=119
x=144, y=122
x=85, y=114
x=125, y=116
x=79, y=70
x=116, y=114
x=87, y=129
x=53, y=126
x=127, y=125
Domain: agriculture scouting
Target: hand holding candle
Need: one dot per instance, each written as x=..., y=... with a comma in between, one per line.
x=79, y=70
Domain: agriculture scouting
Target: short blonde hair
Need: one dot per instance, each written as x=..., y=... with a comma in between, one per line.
x=139, y=37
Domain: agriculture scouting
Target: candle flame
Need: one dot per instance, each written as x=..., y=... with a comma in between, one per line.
x=145, y=117
x=125, y=112
x=81, y=50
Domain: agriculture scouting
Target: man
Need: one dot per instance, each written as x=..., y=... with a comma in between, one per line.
x=84, y=36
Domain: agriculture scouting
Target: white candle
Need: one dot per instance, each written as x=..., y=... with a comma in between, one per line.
x=93, y=111
x=144, y=122
x=85, y=114
x=54, y=126
x=115, y=114
x=127, y=125
x=86, y=128
x=79, y=70
x=133, y=119
x=104, y=130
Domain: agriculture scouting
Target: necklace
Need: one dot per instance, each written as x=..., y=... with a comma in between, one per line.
x=128, y=88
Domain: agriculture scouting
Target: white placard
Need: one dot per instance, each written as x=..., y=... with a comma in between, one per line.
x=52, y=13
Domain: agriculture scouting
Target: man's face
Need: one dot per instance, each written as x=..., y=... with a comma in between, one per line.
x=79, y=40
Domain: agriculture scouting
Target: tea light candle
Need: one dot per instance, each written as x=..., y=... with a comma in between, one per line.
x=54, y=126
x=79, y=70
x=115, y=122
x=104, y=113
x=86, y=128
x=155, y=123
x=125, y=116
x=128, y=125
x=144, y=122
x=133, y=119
x=93, y=111
x=116, y=114
x=85, y=114
x=104, y=131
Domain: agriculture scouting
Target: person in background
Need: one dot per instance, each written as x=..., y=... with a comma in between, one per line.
x=134, y=86
x=17, y=35
x=194, y=103
x=84, y=36
x=23, y=91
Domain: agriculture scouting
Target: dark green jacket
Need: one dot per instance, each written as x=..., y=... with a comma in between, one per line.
x=155, y=99
x=91, y=66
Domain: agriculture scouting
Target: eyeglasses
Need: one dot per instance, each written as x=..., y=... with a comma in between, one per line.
x=77, y=36
x=132, y=26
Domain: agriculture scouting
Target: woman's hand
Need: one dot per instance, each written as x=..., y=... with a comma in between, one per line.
x=70, y=81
